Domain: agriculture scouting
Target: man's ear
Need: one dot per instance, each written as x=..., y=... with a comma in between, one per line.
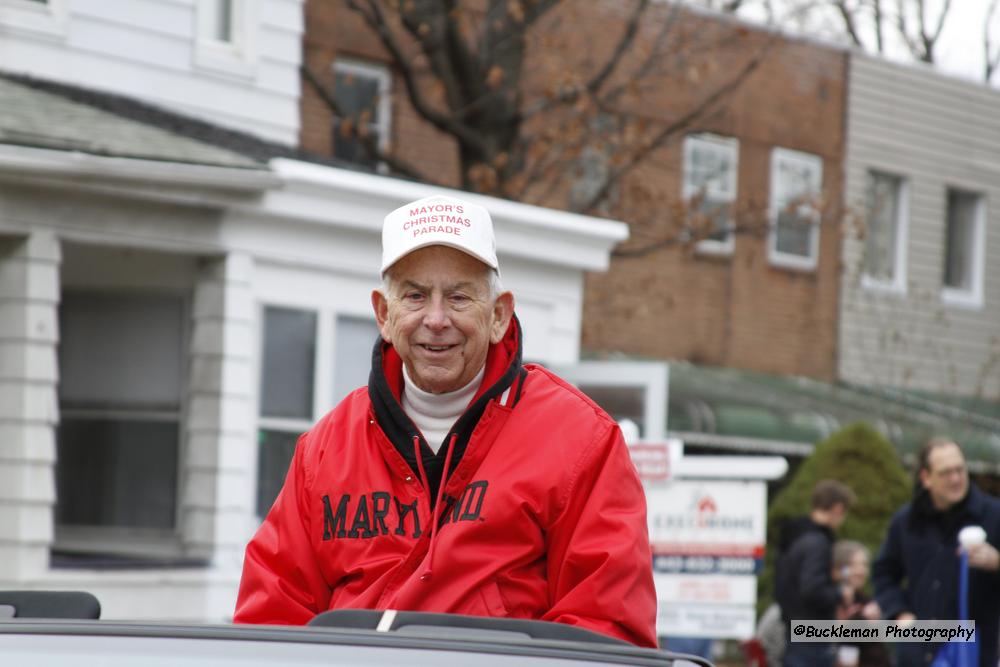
x=381, y=307
x=925, y=478
x=503, y=310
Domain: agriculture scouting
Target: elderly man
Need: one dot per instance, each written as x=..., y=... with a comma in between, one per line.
x=916, y=572
x=459, y=480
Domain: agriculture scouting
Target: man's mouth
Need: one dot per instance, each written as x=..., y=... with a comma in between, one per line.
x=437, y=348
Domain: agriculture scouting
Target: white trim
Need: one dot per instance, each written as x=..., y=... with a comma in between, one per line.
x=782, y=259
x=730, y=148
x=23, y=161
x=653, y=377
x=971, y=298
x=383, y=107
x=897, y=285
x=38, y=19
x=353, y=199
x=237, y=57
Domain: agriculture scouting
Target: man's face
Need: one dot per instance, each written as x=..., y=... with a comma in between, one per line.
x=838, y=515
x=440, y=318
x=946, y=477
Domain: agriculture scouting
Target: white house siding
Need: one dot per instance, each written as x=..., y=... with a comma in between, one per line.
x=149, y=49
x=29, y=295
x=307, y=237
x=936, y=132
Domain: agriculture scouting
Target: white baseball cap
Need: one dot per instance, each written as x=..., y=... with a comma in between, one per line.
x=439, y=220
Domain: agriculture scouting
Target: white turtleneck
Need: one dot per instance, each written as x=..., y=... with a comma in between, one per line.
x=435, y=414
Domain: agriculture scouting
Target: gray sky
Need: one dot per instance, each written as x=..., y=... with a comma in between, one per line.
x=959, y=52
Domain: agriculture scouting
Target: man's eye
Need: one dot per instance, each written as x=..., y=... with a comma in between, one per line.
x=413, y=296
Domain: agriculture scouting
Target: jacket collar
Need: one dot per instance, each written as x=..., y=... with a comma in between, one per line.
x=385, y=386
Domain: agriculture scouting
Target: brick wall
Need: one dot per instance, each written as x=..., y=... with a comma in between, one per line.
x=671, y=302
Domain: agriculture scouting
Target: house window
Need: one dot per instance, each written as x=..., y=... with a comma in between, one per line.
x=226, y=31
x=362, y=93
x=121, y=361
x=710, y=165
x=219, y=19
x=796, y=186
x=352, y=355
x=288, y=361
x=964, y=242
x=885, y=232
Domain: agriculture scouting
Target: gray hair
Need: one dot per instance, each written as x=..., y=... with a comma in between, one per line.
x=492, y=278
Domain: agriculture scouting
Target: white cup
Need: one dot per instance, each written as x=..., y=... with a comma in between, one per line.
x=848, y=656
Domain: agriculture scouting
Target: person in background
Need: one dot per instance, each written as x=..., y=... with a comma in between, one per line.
x=916, y=571
x=851, y=566
x=459, y=480
x=804, y=586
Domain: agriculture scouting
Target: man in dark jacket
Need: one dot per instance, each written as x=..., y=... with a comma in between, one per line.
x=804, y=586
x=921, y=549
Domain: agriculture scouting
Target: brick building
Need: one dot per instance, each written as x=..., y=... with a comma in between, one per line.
x=744, y=297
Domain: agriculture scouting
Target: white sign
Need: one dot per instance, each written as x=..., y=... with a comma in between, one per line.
x=729, y=621
x=708, y=543
x=707, y=516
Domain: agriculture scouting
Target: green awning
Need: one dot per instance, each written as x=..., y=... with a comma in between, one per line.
x=736, y=409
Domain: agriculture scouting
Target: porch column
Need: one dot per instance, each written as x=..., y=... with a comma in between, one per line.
x=29, y=301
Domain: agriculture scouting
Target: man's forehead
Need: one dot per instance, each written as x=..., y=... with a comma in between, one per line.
x=945, y=456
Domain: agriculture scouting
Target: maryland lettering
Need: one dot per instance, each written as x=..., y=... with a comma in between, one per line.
x=379, y=513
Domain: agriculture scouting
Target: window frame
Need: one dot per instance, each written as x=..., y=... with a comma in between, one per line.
x=730, y=146
x=777, y=257
x=383, y=107
x=324, y=371
x=897, y=285
x=972, y=297
x=236, y=57
x=137, y=541
x=287, y=425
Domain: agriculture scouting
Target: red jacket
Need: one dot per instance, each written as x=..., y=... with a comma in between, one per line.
x=542, y=515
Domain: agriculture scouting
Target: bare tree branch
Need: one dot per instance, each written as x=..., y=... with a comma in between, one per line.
x=930, y=41
x=992, y=59
x=376, y=19
x=628, y=36
x=368, y=142
x=879, y=18
x=666, y=133
x=850, y=25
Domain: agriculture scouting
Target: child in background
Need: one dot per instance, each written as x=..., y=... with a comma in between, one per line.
x=851, y=565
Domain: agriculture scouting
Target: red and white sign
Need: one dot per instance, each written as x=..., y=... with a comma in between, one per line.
x=706, y=536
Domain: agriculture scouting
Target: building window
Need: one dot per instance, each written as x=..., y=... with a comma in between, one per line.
x=225, y=30
x=121, y=361
x=796, y=187
x=964, y=242
x=352, y=354
x=885, y=232
x=362, y=93
x=710, y=165
x=219, y=20
x=288, y=360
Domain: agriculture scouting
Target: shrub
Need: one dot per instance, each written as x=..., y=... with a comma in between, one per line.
x=860, y=457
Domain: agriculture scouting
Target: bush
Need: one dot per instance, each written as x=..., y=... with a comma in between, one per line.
x=860, y=457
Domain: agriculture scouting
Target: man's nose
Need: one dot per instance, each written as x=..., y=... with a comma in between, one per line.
x=437, y=317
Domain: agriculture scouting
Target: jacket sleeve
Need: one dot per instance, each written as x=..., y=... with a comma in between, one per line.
x=281, y=582
x=600, y=567
x=816, y=588
x=888, y=573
